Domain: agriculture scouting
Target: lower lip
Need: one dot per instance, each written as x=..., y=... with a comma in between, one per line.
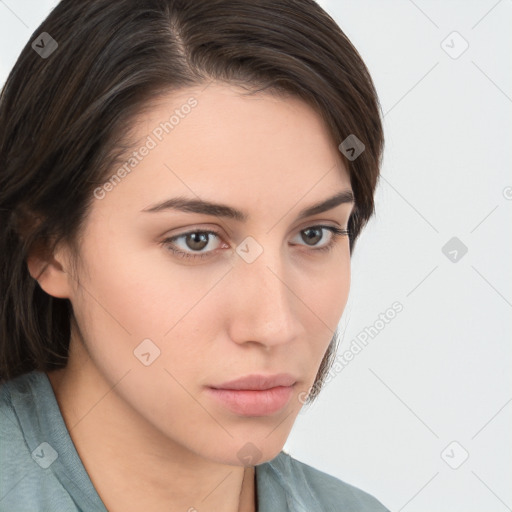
x=247, y=402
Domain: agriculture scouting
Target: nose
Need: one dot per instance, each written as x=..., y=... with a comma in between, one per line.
x=264, y=308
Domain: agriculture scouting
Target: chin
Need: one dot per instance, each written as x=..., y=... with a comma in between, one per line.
x=237, y=452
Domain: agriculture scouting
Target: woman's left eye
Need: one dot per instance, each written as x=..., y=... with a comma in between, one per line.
x=199, y=240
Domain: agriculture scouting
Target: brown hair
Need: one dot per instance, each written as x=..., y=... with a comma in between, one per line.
x=63, y=119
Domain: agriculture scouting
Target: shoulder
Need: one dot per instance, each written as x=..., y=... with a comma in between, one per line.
x=311, y=487
x=15, y=456
x=17, y=397
x=26, y=480
x=10, y=393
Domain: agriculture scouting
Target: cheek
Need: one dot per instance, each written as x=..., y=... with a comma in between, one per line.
x=326, y=291
x=327, y=300
x=129, y=296
x=131, y=287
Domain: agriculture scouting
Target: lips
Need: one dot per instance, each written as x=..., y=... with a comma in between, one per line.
x=255, y=395
x=258, y=382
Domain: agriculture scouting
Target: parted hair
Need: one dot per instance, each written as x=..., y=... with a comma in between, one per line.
x=64, y=119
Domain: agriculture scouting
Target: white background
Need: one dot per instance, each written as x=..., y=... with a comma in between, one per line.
x=440, y=370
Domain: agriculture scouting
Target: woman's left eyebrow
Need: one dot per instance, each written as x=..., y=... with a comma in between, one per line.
x=189, y=205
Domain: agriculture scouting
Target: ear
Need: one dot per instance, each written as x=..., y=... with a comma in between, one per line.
x=51, y=271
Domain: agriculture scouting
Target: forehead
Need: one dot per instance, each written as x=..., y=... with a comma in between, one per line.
x=216, y=142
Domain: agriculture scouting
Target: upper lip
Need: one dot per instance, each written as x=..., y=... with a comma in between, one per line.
x=258, y=382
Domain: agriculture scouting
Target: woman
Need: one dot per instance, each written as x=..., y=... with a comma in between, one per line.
x=182, y=186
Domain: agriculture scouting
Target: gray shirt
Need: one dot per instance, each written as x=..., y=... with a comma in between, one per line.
x=41, y=471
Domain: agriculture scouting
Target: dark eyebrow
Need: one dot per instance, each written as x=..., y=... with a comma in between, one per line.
x=221, y=210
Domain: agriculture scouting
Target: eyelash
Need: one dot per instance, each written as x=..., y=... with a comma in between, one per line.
x=168, y=242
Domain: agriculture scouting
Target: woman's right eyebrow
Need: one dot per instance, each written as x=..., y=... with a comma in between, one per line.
x=188, y=205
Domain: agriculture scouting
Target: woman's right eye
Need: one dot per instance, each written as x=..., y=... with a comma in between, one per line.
x=196, y=240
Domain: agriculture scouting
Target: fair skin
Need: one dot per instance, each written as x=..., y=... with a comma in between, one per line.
x=150, y=437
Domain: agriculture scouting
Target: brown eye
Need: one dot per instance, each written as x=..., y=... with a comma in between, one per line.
x=194, y=242
x=313, y=235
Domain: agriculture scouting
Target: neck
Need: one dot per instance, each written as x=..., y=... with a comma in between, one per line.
x=132, y=465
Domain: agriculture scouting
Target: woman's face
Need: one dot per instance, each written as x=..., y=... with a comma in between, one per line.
x=256, y=297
